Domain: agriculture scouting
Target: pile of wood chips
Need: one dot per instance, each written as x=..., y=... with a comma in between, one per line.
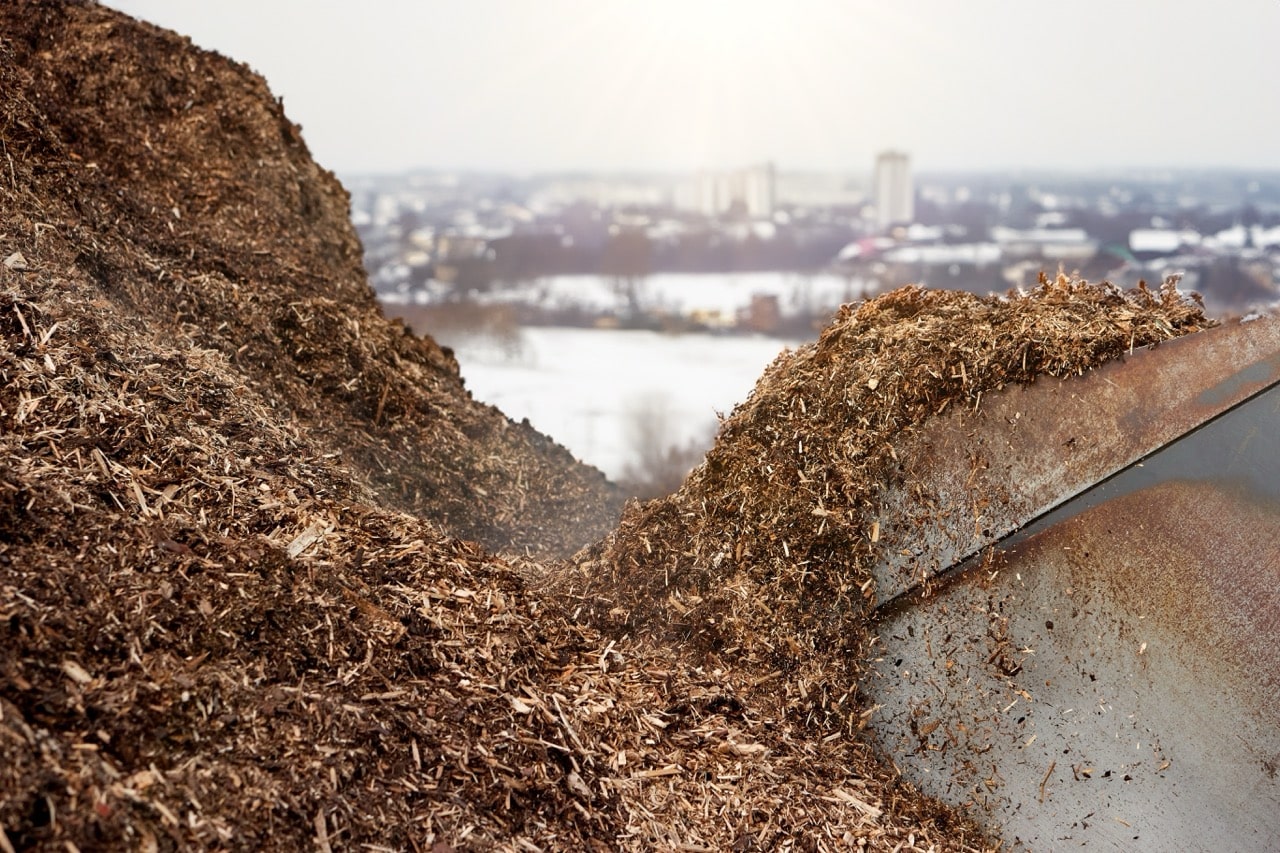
x=173, y=181
x=761, y=563
x=241, y=601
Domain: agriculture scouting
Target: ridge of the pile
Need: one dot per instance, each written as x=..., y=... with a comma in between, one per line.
x=762, y=560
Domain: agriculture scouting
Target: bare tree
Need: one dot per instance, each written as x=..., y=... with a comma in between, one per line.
x=627, y=259
x=659, y=463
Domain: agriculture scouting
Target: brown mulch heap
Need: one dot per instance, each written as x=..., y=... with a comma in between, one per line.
x=762, y=560
x=171, y=180
x=238, y=607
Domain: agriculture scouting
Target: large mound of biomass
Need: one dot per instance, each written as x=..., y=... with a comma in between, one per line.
x=170, y=179
x=212, y=640
x=762, y=560
x=231, y=616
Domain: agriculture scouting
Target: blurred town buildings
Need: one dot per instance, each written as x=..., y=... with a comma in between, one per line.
x=749, y=192
x=435, y=238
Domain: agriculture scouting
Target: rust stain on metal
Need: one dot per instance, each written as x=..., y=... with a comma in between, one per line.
x=1129, y=635
x=1200, y=557
x=1133, y=643
x=1032, y=448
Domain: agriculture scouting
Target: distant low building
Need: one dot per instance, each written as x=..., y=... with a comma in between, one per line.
x=763, y=315
x=974, y=254
x=1051, y=244
x=1158, y=242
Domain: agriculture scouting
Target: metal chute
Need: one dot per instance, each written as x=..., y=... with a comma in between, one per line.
x=1077, y=638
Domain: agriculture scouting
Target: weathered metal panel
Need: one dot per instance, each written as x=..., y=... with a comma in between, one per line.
x=974, y=478
x=1112, y=677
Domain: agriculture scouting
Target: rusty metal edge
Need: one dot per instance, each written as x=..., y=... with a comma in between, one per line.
x=973, y=478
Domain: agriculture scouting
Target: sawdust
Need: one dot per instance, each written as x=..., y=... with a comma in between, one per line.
x=237, y=605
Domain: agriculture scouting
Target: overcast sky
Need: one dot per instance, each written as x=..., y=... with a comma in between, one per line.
x=539, y=85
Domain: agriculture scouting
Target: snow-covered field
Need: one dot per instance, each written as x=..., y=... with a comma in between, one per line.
x=584, y=387
x=686, y=294
x=689, y=293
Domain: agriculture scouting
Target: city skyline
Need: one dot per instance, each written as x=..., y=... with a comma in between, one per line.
x=571, y=85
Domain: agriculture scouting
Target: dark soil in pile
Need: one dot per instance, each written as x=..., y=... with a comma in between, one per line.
x=238, y=604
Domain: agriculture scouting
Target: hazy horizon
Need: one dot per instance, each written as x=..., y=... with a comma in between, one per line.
x=857, y=171
x=673, y=86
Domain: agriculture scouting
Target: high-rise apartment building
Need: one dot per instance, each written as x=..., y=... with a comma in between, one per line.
x=759, y=190
x=751, y=191
x=894, y=192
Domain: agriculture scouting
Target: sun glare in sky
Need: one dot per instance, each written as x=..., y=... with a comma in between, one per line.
x=686, y=84
x=705, y=83
x=707, y=75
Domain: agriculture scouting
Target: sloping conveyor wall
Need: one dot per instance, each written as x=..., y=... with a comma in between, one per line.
x=1106, y=674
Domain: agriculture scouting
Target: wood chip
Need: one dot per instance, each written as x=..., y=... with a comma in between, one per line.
x=76, y=672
